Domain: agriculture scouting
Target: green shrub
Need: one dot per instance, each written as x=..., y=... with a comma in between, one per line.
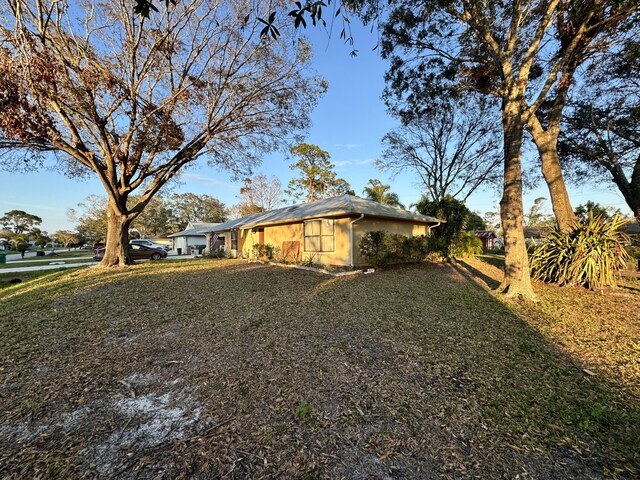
x=262, y=251
x=466, y=245
x=633, y=251
x=381, y=248
x=589, y=256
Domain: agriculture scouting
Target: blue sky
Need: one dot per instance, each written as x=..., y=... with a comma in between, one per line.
x=348, y=122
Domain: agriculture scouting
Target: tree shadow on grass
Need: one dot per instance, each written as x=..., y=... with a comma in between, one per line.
x=593, y=413
x=491, y=282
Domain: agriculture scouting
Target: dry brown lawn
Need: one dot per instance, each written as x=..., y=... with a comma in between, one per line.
x=223, y=369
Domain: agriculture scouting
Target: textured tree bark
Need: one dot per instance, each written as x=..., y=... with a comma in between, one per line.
x=547, y=144
x=117, y=248
x=517, y=280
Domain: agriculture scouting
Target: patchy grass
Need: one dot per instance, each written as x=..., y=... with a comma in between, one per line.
x=219, y=368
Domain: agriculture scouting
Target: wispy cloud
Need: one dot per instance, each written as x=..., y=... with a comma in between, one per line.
x=346, y=163
x=194, y=177
x=348, y=146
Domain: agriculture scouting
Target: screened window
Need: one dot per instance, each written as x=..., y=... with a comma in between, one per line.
x=318, y=235
x=234, y=239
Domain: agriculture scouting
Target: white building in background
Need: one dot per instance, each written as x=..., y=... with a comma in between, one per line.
x=188, y=240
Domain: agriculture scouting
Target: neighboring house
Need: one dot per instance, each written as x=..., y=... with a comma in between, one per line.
x=488, y=238
x=326, y=231
x=533, y=236
x=190, y=237
x=633, y=229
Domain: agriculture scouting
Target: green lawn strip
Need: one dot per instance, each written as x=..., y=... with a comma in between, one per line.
x=415, y=368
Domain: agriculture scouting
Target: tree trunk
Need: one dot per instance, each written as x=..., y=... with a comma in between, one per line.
x=116, y=252
x=547, y=143
x=517, y=280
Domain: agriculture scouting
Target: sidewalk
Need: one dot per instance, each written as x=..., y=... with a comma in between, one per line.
x=90, y=262
x=46, y=267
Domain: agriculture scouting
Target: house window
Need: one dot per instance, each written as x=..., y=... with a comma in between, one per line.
x=234, y=240
x=318, y=235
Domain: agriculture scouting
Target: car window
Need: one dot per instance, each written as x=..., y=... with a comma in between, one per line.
x=135, y=247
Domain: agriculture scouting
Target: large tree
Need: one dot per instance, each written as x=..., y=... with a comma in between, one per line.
x=317, y=178
x=601, y=139
x=379, y=192
x=259, y=194
x=66, y=238
x=510, y=50
x=134, y=100
x=20, y=221
x=453, y=147
x=155, y=219
x=90, y=218
x=189, y=207
x=584, y=31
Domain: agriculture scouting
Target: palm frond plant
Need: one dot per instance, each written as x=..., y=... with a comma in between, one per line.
x=588, y=256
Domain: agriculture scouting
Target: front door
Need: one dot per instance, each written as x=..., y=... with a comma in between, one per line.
x=261, y=236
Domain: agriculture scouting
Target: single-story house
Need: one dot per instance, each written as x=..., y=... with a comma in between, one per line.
x=488, y=238
x=327, y=231
x=534, y=236
x=190, y=237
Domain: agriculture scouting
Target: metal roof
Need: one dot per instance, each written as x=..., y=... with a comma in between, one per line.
x=196, y=228
x=485, y=234
x=231, y=224
x=328, y=207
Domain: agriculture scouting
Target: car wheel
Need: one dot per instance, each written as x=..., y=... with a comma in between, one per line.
x=156, y=256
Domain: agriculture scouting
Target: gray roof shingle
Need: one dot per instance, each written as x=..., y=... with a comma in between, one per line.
x=334, y=206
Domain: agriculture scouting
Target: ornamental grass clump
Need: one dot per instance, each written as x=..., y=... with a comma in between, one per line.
x=588, y=256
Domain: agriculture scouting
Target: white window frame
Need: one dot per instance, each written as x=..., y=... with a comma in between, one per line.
x=320, y=236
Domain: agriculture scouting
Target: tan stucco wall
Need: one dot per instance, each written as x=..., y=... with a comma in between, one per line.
x=294, y=232
x=277, y=234
x=341, y=255
x=406, y=228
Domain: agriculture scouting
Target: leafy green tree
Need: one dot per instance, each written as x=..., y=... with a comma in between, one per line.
x=595, y=210
x=378, y=192
x=6, y=234
x=39, y=237
x=453, y=212
x=317, y=178
x=65, y=238
x=156, y=219
x=90, y=218
x=514, y=51
x=133, y=100
x=189, y=207
x=20, y=221
x=475, y=222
